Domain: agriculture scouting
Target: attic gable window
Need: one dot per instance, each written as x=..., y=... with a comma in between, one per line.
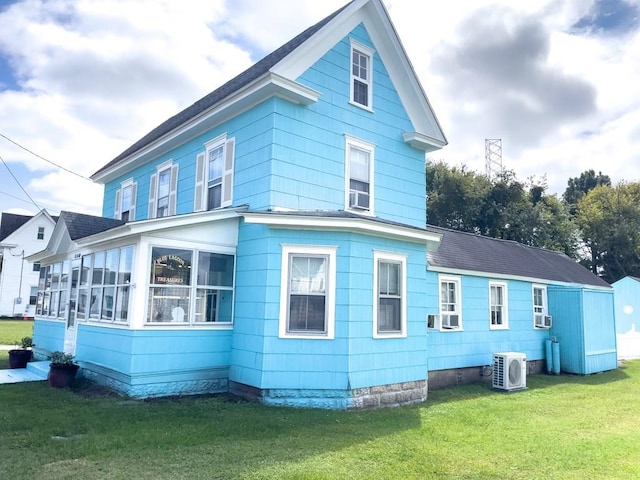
x=40, y=233
x=163, y=190
x=361, y=83
x=214, y=174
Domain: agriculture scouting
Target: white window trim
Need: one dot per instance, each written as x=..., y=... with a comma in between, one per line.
x=395, y=258
x=193, y=287
x=458, y=282
x=330, y=290
x=368, y=52
x=370, y=148
x=201, y=192
x=545, y=304
x=154, y=187
x=118, y=203
x=505, y=306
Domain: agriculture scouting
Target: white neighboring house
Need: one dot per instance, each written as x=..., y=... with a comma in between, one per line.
x=21, y=236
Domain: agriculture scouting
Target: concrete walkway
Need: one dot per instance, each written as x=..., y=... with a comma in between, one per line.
x=35, y=372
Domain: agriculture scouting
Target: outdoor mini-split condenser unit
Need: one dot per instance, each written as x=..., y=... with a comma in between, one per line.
x=510, y=371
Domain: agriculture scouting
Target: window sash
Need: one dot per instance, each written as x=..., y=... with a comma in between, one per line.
x=307, y=299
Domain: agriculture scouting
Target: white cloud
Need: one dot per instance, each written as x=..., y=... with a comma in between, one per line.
x=96, y=75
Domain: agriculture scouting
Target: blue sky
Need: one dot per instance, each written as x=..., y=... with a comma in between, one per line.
x=81, y=80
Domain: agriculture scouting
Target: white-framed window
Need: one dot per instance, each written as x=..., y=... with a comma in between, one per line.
x=359, y=161
x=125, y=202
x=214, y=174
x=390, y=295
x=98, y=292
x=307, y=292
x=163, y=190
x=40, y=235
x=541, y=318
x=498, y=306
x=361, y=75
x=190, y=287
x=450, y=296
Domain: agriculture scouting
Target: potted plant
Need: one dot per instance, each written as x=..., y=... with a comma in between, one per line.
x=19, y=357
x=62, y=369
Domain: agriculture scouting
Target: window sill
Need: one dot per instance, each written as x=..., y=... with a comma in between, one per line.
x=302, y=336
x=499, y=327
x=362, y=107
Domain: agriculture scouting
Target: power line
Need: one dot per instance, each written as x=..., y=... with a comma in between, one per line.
x=19, y=184
x=49, y=209
x=42, y=158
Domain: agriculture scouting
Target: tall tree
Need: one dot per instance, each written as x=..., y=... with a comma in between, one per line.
x=578, y=187
x=609, y=220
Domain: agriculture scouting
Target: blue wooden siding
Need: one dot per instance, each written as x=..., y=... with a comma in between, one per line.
x=476, y=343
x=354, y=358
x=583, y=324
x=291, y=156
x=627, y=294
x=48, y=335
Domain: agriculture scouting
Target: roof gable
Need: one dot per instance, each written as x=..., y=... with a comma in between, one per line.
x=279, y=71
x=10, y=222
x=475, y=253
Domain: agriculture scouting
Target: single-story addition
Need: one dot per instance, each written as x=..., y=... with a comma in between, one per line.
x=270, y=241
x=627, y=302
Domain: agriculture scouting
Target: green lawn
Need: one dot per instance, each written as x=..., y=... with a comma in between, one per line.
x=12, y=331
x=565, y=427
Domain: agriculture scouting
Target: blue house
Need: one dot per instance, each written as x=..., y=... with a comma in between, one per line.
x=270, y=240
x=627, y=305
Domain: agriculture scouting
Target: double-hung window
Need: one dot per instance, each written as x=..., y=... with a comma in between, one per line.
x=498, y=306
x=390, y=295
x=450, y=303
x=361, y=75
x=541, y=318
x=40, y=235
x=125, y=204
x=307, y=298
x=359, y=175
x=163, y=190
x=214, y=174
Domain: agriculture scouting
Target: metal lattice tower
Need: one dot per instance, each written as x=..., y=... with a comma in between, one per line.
x=493, y=157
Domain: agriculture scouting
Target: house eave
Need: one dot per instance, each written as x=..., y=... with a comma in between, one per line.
x=423, y=142
x=522, y=278
x=357, y=225
x=267, y=86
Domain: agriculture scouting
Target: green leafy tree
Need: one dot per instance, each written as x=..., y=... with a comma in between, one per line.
x=609, y=221
x=578, y=187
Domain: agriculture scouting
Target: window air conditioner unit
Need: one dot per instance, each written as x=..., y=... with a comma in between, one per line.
x=450, y=321
x=510, y=371
x=543, y=321
x=359, y=200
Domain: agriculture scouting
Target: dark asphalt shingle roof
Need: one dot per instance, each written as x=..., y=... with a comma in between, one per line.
x=467, y=251
x=10, y=222
x=233, y=85
x=80, y=225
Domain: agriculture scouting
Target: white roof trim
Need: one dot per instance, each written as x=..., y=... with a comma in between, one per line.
x=502, y=276
x=363, y=225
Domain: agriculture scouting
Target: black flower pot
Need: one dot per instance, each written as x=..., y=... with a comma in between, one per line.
x=62, y=375
x=19, y=358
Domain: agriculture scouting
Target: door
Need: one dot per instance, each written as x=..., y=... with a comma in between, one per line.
x=70, y=335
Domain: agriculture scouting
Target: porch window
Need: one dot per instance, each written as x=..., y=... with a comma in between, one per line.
x=307, y=299
x=177, y=288
x=98, y=289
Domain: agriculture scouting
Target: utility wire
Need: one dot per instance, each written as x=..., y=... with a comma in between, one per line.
x=19, y=184
x=49, y=209
x=42, y=158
